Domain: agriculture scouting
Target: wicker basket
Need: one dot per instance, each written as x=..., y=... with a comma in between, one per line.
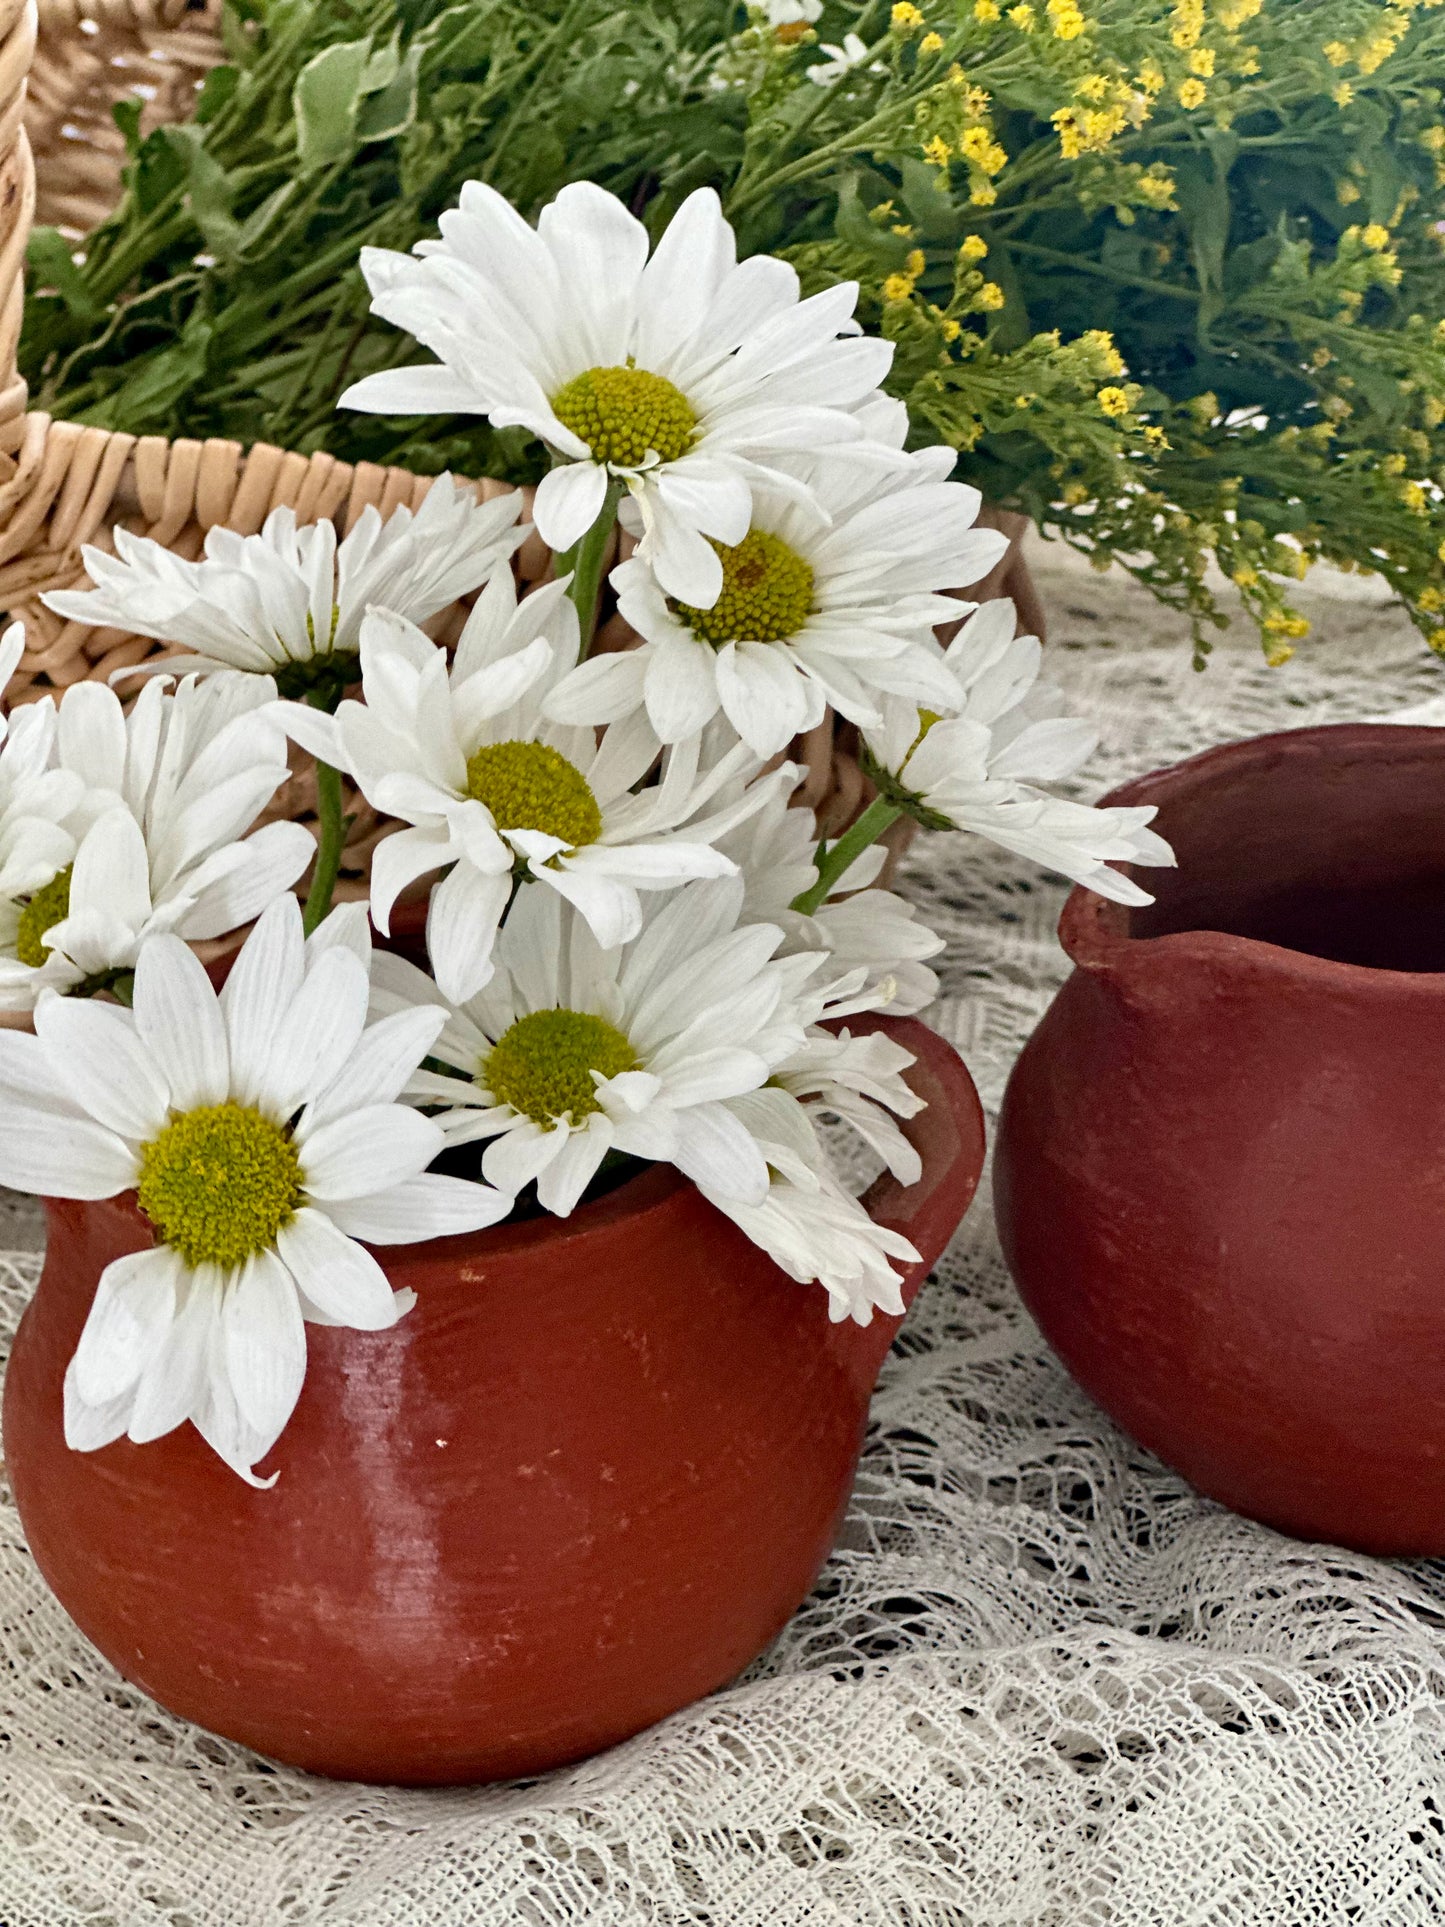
x=62, y=485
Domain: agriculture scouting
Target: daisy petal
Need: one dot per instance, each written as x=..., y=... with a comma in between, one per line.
x=103, y=1065
x=368, y=1150
x=128, y=1320
x=178, y=1022
x=720, y=1155
x=335, y=1273
x=263, y=1342
x=427, y=1206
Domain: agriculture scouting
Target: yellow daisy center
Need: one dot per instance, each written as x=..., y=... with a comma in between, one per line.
x=542, y=1065
x=49, y=906
x=623, y=414
x=219, y=1182
x=767, y=593
x=531, y=786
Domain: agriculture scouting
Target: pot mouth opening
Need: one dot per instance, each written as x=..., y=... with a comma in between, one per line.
x=1328, y=843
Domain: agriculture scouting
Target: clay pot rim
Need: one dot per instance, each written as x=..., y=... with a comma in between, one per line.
x=1095, y=932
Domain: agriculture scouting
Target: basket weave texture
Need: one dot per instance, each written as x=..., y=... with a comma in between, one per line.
x=63, y=485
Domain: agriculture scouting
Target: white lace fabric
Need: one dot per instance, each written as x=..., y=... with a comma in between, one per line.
x=1040, y=1684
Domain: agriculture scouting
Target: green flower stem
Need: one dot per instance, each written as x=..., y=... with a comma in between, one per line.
x=833, y=859
x=328, y=846
x=584, y=560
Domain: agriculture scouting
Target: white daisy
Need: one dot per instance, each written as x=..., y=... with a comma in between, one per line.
x=977, y=768
x=683, y=378
x=859, y=926
x=792, y=13
x=466, y=756
x=289, y=601
x=42, y=808
x=261, y=1133
x=573, y=1051
x=163, y=798
x=812, y=614
x=841, y=61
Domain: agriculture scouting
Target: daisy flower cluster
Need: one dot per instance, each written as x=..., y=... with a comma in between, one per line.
x=601, y=931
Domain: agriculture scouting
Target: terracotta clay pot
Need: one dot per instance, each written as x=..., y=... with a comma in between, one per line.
x=583, y=1482
x=1220, y=1176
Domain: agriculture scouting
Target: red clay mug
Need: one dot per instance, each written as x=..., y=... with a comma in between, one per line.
x=1220, y=1171
x=582, y=1483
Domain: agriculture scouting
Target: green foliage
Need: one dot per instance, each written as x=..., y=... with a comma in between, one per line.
x=1168, y=276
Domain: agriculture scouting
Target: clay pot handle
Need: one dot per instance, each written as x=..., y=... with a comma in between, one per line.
x=948, y=1136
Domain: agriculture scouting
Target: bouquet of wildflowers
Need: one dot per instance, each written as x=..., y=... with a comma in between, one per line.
x=636, y=949
x=1167, y=274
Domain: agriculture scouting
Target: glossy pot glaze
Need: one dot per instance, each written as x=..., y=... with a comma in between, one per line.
x=1220, y=1174
x=583, y=1482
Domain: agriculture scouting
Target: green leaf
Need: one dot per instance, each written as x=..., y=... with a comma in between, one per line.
x=157, y=171
x=391, y=109
x=126, y=115
x=217, y=89
x=326, y=99
x=208, y=188
x=51, y=266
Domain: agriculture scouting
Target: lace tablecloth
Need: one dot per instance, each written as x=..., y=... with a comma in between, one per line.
x=1041, y=1682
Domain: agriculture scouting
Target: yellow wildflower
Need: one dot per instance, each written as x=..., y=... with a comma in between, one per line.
x=1431, y=600
x=980, y=150
x=1099, y=344
x=1188, y=17
x=897, y=287
x=931, y=43
x=1433, y=411
x=1343, y=94
x=1233, y=16
x=1068, y=21
x=1277, y=655
x=1250, y=63
x=902, y=230
x=1150, y=77
x=990, y=296
x=1321, y=358
x=1434, y=139
x=1022, y=17
x=1023, y=401
x=1092, y=87
x=915, y=263
x=1375, y=54
x=1155, y=437
x=1440, y=552
x=1415, y=498
x=1157, y=190
x=1192, y=93
x=1375, y=237
x=1245, y=577
x=1284, y=622
x=1113, y=401
x=949, y=329
x=1347, y=192
x=936, y=151
x=905, y=17
x=986, y=11
x=983, y=194
x=1336, y=53
x=973, y=247
x=1201, y=61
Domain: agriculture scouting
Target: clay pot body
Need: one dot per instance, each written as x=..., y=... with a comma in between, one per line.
x=583, y=1482
x=1220, y=1176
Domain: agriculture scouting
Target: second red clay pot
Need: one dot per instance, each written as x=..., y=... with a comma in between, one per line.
x=1220, y=1178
